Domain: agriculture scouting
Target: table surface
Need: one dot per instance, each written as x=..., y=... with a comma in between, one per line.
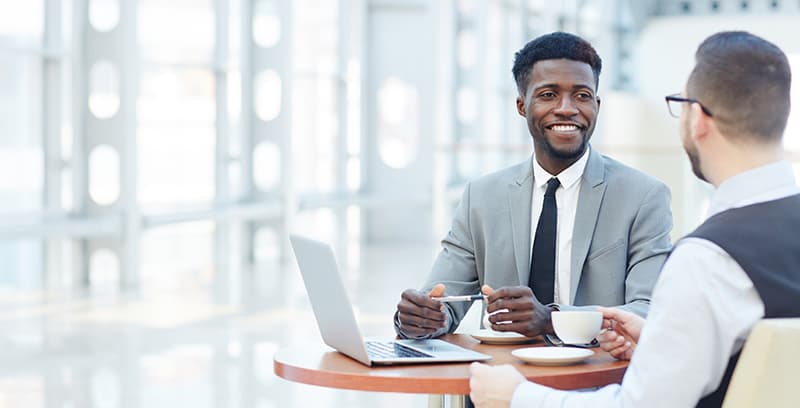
x=317, y=364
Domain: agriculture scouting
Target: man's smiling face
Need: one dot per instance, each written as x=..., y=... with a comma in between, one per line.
x=560, y=106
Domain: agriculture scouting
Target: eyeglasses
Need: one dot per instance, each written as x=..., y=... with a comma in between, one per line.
x=675, y=104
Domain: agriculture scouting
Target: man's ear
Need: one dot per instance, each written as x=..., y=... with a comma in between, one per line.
x=521, y=105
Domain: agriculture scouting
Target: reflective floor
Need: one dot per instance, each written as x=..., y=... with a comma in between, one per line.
x=193, y=346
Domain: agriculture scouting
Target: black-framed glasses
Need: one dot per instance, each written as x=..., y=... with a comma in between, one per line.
x=675, y=104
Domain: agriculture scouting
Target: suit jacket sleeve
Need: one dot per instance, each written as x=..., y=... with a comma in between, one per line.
x=649, y=245
x=648, y=248
x=455, y=266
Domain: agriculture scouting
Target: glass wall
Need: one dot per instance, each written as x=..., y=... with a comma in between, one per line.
x=138, y=136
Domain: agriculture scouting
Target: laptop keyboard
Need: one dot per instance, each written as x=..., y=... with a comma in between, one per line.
x=390, y=349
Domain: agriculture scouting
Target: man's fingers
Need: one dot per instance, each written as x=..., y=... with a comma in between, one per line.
x=614, y=344
x=418, y=319
x=521, y=328
x=611, y=313
x=420, y=315
x=609, y=336
x=415, y=327
x=607, y=340
x=514, y=304
x=623, y=352
x=413, y=320
x=620, y=316
x=514, y=298
x=437, y=290
x=409, y=309
x=510, y=316
x=420, y=299
x=510, y=292
x=476, y=380
x=629, y=353
x=476, y=368
x=603, y=310
x=487, y=290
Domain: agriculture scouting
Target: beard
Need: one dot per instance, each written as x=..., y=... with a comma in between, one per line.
x=565, y=154
x=694, y=159
x=691, y=152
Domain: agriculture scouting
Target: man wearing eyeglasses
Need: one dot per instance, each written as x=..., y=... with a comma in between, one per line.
x=741, y=265
x=565, y=229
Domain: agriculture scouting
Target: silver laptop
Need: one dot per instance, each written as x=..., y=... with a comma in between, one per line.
x=337, y=323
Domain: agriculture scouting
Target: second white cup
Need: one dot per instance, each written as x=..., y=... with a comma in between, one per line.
x=577, y=326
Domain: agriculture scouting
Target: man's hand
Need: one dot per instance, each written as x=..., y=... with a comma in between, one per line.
x=524, y=314
x=419, y=315
x=493, y=387
x=622, y=332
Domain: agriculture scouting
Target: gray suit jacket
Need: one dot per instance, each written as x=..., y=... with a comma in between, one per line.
x=620, y=239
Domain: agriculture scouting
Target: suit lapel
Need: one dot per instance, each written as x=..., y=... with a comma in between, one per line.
x=519, y=201
x=592, y=189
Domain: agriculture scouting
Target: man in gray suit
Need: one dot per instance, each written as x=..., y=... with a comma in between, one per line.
x=567, y=228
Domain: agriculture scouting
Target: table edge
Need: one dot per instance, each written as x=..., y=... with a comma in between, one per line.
x=434, y=385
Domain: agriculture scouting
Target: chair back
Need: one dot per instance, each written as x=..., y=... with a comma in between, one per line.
x=768, y=371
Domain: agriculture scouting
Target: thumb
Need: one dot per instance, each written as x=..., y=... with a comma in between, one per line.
x=437, y=290
x=610, y=313
x=476, y=368
x=487, y=290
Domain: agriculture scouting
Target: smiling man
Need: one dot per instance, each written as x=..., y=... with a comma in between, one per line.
x=567, y=228
x=741, y=265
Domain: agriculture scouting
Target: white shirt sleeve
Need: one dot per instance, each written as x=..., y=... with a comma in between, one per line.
x=704, y=306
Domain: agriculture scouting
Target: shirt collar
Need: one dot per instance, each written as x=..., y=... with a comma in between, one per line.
x=746, y=186
x=567, y=178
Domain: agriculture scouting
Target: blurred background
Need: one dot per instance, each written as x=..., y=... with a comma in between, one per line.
x=154, y=155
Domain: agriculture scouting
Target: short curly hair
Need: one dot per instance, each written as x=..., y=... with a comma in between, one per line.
x=557, y=45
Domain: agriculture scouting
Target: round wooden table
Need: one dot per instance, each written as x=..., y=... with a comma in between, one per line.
x=317, y=364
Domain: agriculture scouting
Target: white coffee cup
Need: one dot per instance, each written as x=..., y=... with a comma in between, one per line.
x=577, y=326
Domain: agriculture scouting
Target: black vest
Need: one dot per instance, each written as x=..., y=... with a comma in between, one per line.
x=764, y=239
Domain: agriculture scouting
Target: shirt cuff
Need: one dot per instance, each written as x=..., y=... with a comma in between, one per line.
x=529, y=394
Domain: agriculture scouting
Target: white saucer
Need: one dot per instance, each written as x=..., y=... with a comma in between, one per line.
x=552, y=355
x=495, y=337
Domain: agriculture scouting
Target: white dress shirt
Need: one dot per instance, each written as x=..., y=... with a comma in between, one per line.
x=566, y=204
x=704, y=306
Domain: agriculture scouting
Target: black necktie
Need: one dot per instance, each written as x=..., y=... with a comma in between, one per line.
x=543, y=259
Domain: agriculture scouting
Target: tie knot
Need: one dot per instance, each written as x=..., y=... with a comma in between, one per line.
x=552, y=185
